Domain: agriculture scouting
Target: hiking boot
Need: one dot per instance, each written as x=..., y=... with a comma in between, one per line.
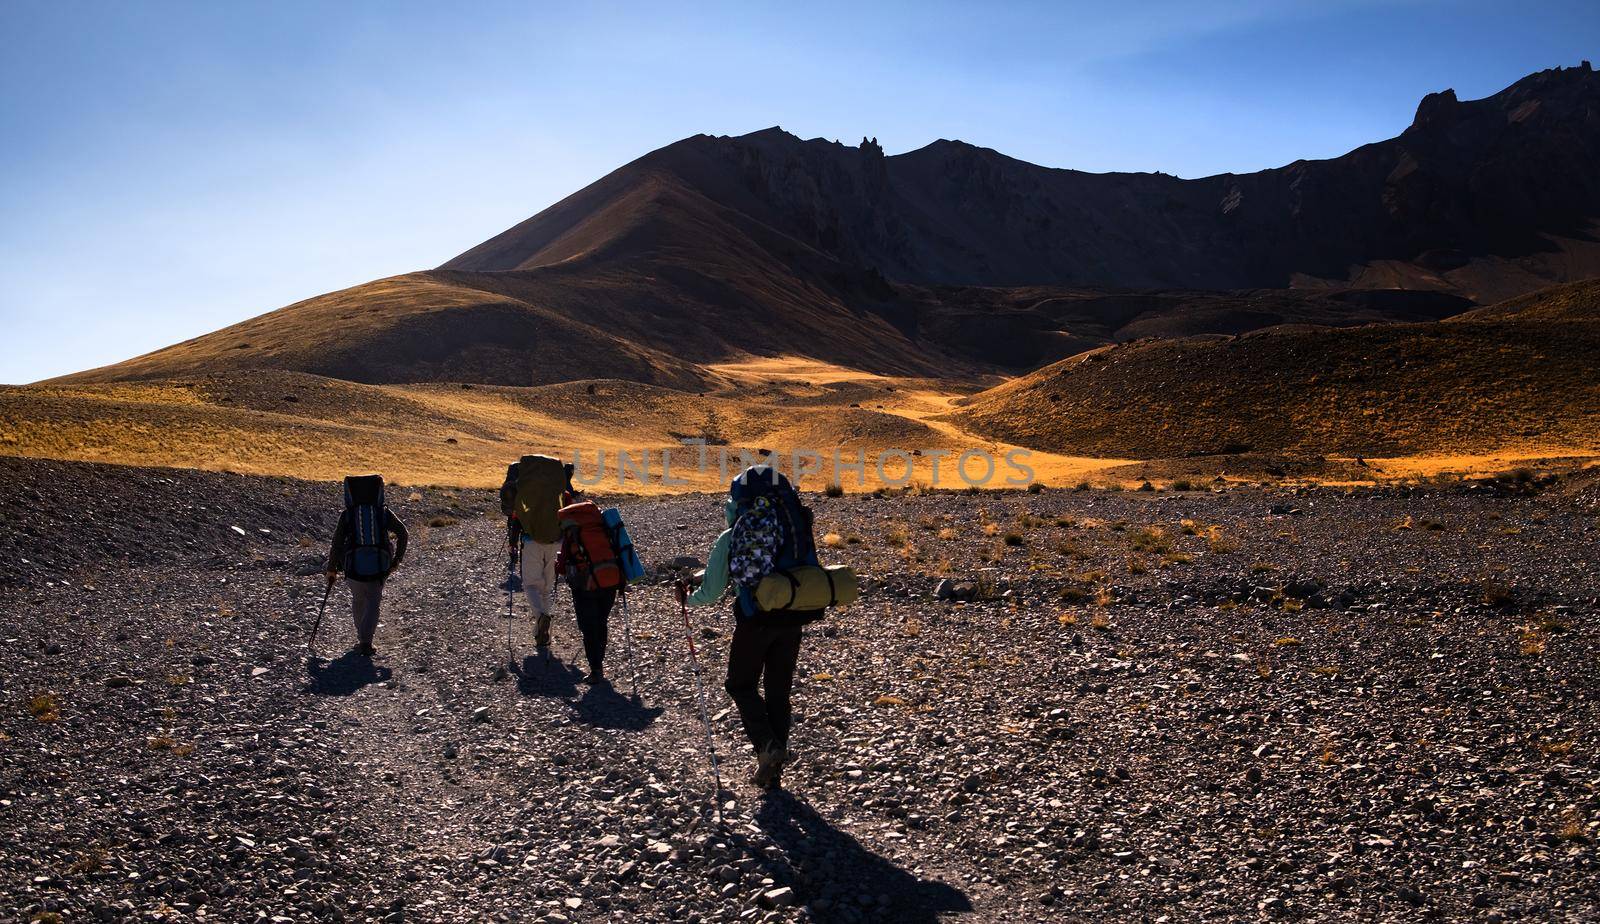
x=769, y=765
x=366, y=649
x=541, y=636
x=594, y=679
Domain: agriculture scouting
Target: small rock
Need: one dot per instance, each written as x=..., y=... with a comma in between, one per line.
x=118, y=681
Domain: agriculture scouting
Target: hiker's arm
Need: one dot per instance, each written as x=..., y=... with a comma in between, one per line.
x=401, y=538
x=513, y=531
x=336, y=548
x=716, y=579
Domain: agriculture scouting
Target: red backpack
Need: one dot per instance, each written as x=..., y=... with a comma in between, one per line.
x=587, y=548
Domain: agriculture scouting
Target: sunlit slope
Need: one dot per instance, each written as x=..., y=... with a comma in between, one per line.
x=308, y=426
x=1468, y=386
x=413, y=328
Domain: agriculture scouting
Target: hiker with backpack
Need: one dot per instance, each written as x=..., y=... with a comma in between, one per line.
x=589, y=560
x=535, y=489
x=768, y=557
x=363, y=552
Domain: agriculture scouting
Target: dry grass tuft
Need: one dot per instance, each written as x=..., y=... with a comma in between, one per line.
x=1531, y=641
x=45, y=708
x=1152, y=539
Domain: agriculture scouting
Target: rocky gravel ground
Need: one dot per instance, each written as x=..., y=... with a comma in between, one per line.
x=1168, y=706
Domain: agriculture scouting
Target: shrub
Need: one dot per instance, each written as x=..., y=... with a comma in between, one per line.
x=1014, y=539
x=44, y=707
x=1499, y=596
x=1182, y=484
x=1152, y=539
x=834, y=490
x=1036, y=488
x=443, y=521
x=1147, y=486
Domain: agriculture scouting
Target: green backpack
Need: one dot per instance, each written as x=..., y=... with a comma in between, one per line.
x=540, y=482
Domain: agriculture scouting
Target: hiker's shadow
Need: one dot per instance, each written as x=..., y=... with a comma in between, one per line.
x=344, y=675
x=838, y=868
x=603, y=707
x=546, y=675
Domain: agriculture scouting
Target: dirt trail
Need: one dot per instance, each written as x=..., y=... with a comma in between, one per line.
x=1155, y=705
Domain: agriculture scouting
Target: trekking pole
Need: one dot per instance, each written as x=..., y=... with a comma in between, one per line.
x=511, y=592
x=705, y=717
x=316, y=627
x=627, y=643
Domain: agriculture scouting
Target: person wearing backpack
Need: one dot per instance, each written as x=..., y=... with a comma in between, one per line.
x=363, y=552
x=535, y=490
x=590, y=562
x=768, y=530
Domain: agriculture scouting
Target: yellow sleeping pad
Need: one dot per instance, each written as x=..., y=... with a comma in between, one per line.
x=808, y=587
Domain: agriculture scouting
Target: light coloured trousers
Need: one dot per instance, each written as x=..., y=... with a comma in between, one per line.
x=365, y=599
x=539, y=574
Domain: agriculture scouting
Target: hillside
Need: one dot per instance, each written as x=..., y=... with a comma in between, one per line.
x=954, y=260
x=1467, y=185
x=1520, y=374
x=271, y=422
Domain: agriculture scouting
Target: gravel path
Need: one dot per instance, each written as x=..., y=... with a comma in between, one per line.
x=1158, y=706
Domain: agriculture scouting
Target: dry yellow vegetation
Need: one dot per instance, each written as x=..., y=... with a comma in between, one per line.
x=300, y=425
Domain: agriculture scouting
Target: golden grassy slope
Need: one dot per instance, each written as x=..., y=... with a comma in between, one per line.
x=412, y=328
x=465, y=434
x=1462, y=386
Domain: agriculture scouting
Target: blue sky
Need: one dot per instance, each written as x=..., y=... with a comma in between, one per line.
x=170, y=168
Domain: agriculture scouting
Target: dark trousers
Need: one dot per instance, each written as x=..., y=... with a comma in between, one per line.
x=366, y=597
x=760, y=649
x=594, y=610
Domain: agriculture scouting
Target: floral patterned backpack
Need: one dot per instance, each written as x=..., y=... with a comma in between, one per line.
x=772, y=533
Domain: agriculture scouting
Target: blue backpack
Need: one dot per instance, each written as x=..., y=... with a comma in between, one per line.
x=772, y=532
x=627, y=557
x=366, y=556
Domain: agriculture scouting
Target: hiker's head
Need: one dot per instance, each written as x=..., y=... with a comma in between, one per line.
x=363, y=489
x=756, y=481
